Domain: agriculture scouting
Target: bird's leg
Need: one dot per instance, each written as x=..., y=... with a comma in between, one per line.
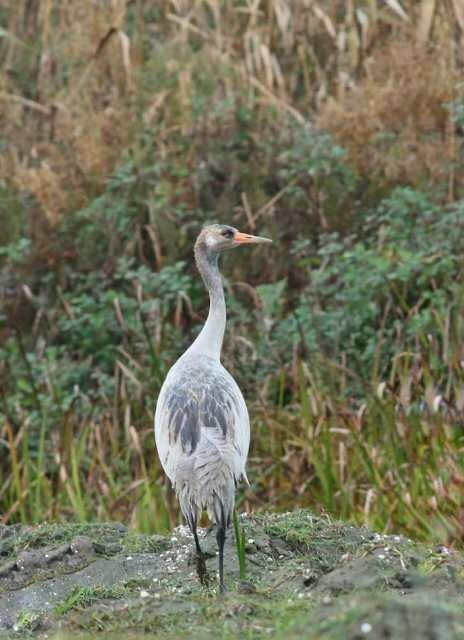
x=221, y=538
x=201, y=564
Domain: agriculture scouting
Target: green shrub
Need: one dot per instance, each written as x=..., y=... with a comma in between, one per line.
x=385, y=290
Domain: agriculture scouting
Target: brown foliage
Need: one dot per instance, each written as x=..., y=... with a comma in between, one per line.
x=66, y=114
x=377, y=75
x=395, y=123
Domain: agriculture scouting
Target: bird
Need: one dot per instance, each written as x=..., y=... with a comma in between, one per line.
x=202, y=426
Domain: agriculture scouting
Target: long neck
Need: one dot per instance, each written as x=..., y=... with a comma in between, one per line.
x=209, y=340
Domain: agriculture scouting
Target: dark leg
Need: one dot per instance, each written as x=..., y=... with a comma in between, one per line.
x=221, y=538
x=201, y=565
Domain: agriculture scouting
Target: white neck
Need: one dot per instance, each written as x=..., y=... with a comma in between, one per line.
x=209, y=340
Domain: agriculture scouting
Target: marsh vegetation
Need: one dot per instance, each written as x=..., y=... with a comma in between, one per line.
x=336, y=129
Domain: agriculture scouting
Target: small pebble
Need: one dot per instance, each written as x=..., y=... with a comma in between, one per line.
x=81, y=545
x=366, y=627
x=144, y=594
x=443, y=550
x=27, y=560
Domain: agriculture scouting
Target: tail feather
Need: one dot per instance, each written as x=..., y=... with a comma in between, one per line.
x=206, y=481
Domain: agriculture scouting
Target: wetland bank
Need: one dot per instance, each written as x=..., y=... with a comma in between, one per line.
x=306, y=576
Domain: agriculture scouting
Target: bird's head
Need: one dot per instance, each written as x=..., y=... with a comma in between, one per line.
x=219, y=237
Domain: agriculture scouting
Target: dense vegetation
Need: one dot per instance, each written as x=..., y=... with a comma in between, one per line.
x=335, y=128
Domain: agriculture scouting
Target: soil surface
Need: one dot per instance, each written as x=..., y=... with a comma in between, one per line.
x=306, y=576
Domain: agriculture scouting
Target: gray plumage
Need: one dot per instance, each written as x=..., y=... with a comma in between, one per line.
x=208, y=435
x=202, y=427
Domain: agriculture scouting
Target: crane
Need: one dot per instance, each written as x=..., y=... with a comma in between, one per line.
x=202, y=429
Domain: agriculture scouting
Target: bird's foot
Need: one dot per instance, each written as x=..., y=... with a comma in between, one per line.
x=201, y=571
x=222, y=589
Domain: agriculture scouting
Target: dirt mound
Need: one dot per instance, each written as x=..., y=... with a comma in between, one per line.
x=306, y=576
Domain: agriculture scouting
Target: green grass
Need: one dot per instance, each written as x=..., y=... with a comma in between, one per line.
x=240, y=545
x=27, y=621
x=83, y=597
x=297, y=528
x=398, y=470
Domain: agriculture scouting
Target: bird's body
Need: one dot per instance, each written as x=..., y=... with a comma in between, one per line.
x=202, y=427
x=205, y=450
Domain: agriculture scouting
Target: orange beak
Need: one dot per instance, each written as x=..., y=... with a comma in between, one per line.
x=245, y=238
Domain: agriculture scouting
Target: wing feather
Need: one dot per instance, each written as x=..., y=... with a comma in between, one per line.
x=201, y=417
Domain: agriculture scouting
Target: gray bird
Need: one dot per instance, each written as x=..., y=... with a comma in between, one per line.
x=202, y=429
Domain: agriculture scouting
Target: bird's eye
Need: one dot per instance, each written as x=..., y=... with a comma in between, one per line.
x=227, y=233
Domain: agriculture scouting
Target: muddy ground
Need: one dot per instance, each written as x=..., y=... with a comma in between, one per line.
x=306, y=577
